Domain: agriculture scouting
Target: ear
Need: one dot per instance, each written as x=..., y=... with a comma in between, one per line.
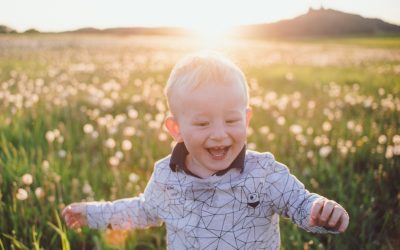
x=249, y=114
x=173, y=128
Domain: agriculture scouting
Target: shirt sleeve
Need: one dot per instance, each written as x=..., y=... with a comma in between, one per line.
x=288, y=197
x=136, y=212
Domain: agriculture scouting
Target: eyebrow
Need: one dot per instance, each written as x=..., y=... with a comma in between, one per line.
x=201, y=116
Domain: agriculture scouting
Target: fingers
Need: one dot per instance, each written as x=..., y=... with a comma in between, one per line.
x=344, y=222
x=76, y=224
x=316, y=211
x=75, y=215
x=335, y=217
x=75, y=221
x=329, y=214
x=326, y=213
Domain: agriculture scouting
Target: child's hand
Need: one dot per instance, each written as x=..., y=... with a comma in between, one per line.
x=75, y=215
x=329, y=214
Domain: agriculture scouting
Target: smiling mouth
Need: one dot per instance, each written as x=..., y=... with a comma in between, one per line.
x=218, y=153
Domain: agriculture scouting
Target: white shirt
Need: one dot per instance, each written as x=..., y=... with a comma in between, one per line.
x=238, y=210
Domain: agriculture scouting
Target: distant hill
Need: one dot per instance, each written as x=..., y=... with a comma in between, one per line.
x=6, y=30
x=320, y=23
x=315, y=23
x=133, y=31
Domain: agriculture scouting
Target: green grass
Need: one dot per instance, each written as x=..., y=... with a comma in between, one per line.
x=48, y=89
x=383, y=41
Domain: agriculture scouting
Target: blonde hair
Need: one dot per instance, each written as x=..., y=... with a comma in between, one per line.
x=203, y=67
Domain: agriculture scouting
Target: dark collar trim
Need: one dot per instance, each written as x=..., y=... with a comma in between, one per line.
x=178, y=158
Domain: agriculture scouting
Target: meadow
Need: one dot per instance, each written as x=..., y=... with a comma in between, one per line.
x=81, y=119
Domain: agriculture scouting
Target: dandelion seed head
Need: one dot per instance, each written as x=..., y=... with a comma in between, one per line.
x=119, y=155
x=281, y=120
x=350, y=125
x=133, y=178
x=50, y=136
x=114, y=161
x=126, y=145
x=317, y=141
x=326, y=126
x=264, y=130
x=162, y=136
x=389, y=152
x=27, y=179
x=39, y=192
x=396, y=149
x=271, y=136
x=62, y=153
x=95, y=134
x=296, y=129
x=22, y=194
x=129, y=131
x=325, y=151
x=88, y=128
x=396, y=139
x=358, y=129
x=110, y=143
x=87, y=189
x=344, y=150
x=311, y=104
x=107, y=103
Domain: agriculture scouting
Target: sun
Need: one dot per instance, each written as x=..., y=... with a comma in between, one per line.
x=211, y=33
x=210, y=29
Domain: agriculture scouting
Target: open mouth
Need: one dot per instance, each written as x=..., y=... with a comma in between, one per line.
x=218, y=153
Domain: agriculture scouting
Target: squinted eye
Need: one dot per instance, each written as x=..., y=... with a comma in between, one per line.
x=201, y=124
x=231, y=121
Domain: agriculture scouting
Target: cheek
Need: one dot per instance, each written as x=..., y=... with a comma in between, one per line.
x=239, y=132
x=193, y=136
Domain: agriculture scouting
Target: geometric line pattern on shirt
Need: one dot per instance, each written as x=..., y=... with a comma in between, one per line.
x=233, y=211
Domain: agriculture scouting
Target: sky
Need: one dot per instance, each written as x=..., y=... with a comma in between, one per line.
x=62, y=15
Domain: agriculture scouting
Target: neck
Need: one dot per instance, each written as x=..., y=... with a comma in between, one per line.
x=194, y=167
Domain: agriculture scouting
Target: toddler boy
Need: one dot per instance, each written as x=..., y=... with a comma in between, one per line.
x=211, y=192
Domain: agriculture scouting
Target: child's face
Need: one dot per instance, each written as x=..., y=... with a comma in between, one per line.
x=212, y=121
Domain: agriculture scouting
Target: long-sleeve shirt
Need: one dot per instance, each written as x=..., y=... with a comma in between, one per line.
x=237, y=210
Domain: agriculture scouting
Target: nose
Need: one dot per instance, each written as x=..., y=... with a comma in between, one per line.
x=218, y=132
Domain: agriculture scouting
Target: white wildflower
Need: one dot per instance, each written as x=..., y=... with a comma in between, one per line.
x=296, y=129
x=126, y=145
x=110, y=143
x=382, y=139
x=133, y=177
x=39, y=192
x=27, y=179
x=88, y=128
x=22, y=194
x=325, y=151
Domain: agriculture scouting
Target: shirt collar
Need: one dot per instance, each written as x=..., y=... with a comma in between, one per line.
x=180, y=152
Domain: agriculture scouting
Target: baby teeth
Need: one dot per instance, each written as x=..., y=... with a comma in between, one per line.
x=217, y=151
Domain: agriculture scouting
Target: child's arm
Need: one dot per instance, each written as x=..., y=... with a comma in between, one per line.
x=289, y=198
x=136, y=212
